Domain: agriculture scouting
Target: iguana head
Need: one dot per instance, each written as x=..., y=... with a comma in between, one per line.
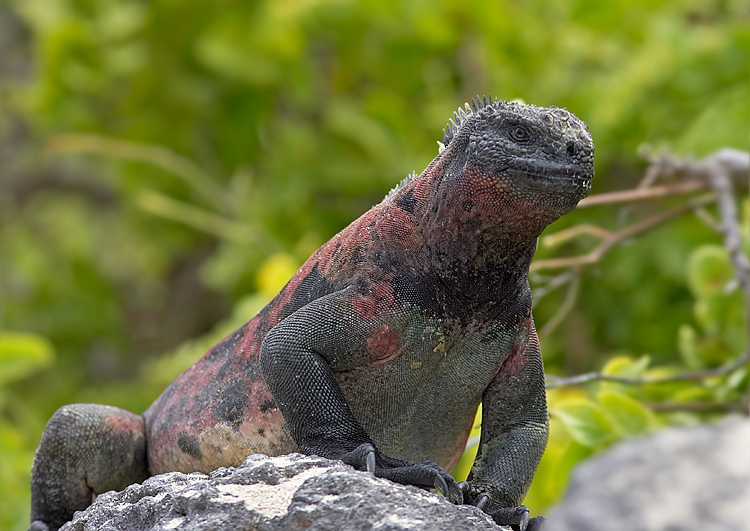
x=542, y=157
x=504, y=172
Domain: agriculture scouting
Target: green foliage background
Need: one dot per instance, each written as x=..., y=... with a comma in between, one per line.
x=165, y=166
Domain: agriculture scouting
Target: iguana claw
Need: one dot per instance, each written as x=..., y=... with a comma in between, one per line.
x=361, y=458
x=441, y=486
x=515, y=517
x=371, y=461
x=482, y=501
x=426, y=474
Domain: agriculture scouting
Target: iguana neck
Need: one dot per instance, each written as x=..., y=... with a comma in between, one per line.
x=479, y=255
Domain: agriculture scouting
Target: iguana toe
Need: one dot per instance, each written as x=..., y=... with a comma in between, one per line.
x=517, y=518
x=427, y=475
x=361, y=458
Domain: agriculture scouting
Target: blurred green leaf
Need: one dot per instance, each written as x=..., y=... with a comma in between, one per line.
x=739, y=380
x=694, y=393
x=22, y=354
x=585, y=422
x=195, y=217
x=627, y=416
x=626, y=366
x=709, y=271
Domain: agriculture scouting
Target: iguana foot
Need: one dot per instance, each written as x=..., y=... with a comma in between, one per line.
x=515, y=517
x=425, y=474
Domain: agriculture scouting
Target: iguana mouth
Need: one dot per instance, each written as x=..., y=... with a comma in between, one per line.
x=550, y=170
x=554, y=176
x=552, y=179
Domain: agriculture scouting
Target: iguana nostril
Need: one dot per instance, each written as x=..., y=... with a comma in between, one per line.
x=573, y=149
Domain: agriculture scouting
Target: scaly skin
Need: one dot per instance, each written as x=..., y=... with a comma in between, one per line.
x=380, y=348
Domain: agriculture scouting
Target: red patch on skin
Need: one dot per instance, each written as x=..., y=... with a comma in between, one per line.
x=397, y=226
x=124, y=422
x=515, y=362
x=377, y=302
x=383, y=345
x=365, y=307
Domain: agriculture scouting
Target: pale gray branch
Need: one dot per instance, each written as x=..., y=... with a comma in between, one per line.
x=554, y=382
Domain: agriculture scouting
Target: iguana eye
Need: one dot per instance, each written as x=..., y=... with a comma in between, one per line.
x=519, y=133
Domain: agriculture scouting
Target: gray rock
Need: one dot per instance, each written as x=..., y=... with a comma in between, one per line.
x=273, y=494
x=678, y=480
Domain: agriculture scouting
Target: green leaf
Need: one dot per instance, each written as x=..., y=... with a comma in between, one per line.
x=738, y=380
x=627, y=416
x=22, y=355
x=626, y=366
x=692, y=394
x=585, y=422
x=709, y=271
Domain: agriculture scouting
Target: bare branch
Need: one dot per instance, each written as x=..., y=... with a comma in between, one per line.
x=730, y=229
x=700, y=407
x=560, y=237
x=566, y=306
x=717, y=173
x=708, y=220
x=695, y=176
x=551, y=285
x=640, y=194
x=615, y=238
x=553, y=382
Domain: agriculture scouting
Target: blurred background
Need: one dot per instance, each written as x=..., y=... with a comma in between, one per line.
x=166, y=166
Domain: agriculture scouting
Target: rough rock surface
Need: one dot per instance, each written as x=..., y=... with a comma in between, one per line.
x=678, y=480
x=283, y=493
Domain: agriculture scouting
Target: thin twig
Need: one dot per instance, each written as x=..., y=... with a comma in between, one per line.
x=615, y=238
x=554, y=382
x=640, y=194
x=699, y=407
x=708, y=220
x=551, y=285
x=560, y=237
x=570, y=299
x=695, y=176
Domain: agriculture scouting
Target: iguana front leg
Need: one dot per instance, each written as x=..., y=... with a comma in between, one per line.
x=515, y=429
x=298, y=359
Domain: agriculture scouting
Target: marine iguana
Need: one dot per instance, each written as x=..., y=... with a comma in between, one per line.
x=380, y=349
